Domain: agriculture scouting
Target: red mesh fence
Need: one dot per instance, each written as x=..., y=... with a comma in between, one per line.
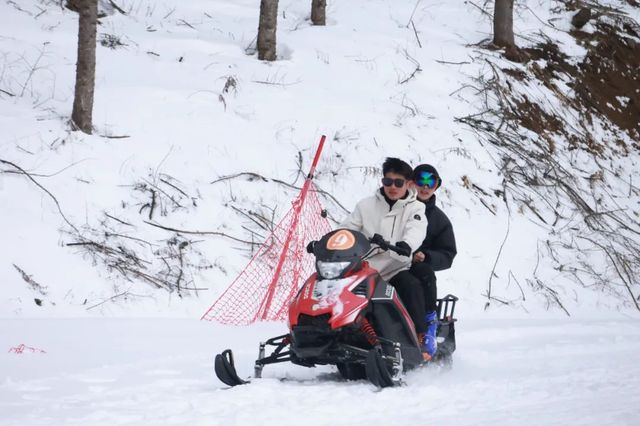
x=279, y=268
x=21, y=348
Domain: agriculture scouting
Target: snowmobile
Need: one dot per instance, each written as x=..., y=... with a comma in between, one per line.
x=348, y=316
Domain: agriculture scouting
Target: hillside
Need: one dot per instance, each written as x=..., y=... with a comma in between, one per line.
x=539, y=157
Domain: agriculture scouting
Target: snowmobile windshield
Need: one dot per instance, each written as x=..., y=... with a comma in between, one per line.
x=331, y=270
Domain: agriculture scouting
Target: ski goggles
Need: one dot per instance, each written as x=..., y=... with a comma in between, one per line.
x=399, y=183
x=426, y=179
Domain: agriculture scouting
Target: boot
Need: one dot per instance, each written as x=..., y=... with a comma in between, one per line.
x=429, y=343
x=421, y=339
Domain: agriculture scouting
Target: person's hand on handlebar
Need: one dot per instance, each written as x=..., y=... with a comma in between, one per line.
x=400, y=247
x=403, y=249
x=377, y=239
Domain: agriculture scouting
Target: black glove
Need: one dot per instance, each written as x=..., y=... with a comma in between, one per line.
x=377, y=239
x=403, y=248
x=311, y=246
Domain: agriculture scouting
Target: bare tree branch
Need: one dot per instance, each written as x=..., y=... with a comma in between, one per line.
x=216, y=233
x=55, y=200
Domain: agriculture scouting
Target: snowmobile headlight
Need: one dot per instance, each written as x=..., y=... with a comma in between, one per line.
x=331, y=270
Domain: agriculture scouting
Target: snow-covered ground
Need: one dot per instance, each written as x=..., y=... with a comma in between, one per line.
x=160, y=371
x=353, y=80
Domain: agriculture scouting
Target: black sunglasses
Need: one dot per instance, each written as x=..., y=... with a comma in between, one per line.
x=399, y=183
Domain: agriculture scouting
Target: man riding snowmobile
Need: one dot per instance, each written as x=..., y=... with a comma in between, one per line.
x=394, y=213
x=347, y=315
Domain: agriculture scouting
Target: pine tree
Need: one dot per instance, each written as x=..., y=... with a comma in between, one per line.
x=267, y=30
x=503, y=24
x=318, y=12
x=86, y=65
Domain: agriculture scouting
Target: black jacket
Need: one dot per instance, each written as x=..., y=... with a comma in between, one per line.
x=439, y=245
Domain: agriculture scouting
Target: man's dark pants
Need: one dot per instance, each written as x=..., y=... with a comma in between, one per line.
x=427, y=277
x=411, y=293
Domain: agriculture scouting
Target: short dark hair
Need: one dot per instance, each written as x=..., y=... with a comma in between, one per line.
x=396, y=165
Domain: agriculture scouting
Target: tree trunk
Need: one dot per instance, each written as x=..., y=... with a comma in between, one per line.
x=73, y=5
x=86, y=66
x=318, y=12
x=267, y=30
x=503, y=24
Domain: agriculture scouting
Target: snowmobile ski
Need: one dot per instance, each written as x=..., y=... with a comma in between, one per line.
x=377, y=371
x=226, y=370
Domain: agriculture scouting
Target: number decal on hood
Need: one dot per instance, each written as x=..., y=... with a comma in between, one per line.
x=341, y=240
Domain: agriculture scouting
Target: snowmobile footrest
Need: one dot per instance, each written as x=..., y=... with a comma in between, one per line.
x=226, y=370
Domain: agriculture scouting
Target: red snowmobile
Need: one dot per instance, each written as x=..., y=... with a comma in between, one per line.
x=347, y=315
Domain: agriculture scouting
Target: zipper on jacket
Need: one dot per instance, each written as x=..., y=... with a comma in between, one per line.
x=393, y=227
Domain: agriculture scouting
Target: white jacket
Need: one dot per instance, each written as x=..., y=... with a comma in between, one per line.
x=405, y=221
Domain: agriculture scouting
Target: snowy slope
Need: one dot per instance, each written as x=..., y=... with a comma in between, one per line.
x=342, y=80
x=195, y=107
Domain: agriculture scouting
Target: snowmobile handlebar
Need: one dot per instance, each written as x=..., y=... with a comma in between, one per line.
x=311, y=246
x=400, y=247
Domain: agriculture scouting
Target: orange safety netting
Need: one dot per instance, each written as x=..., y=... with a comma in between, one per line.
x=279, y=268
